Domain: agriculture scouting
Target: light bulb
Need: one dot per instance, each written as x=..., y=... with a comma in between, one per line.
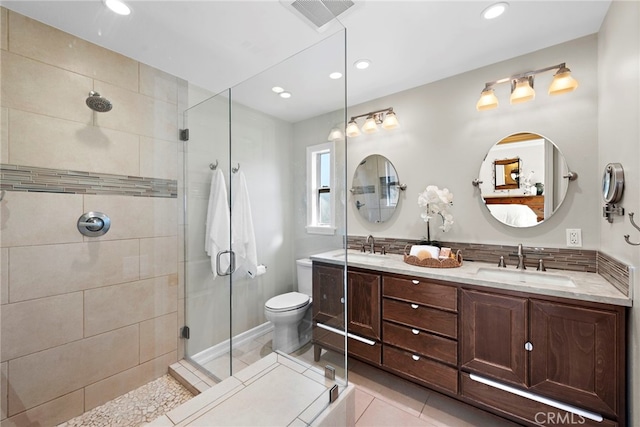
x=370, y=125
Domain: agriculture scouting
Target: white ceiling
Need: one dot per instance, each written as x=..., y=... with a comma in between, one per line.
x=219, y=44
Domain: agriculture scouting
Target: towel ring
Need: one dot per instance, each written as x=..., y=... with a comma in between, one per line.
x=212, y=166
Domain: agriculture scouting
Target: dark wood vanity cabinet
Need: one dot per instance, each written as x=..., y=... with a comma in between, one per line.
x=444, y=335
x=328, y=295
x=420, y=331
x=363, y=312
x=493, y=333
x=572, y=352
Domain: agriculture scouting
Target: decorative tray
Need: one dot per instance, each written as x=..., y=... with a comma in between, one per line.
x=433, y=262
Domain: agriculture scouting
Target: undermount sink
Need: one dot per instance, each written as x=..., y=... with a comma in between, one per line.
x=530, y=278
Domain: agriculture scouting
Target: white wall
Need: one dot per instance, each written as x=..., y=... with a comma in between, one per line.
x=619, y=141
x=442, y=140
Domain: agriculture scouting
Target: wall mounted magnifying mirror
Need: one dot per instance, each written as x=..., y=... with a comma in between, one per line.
x=376, y=188
x=524, y=179
x=612, y=189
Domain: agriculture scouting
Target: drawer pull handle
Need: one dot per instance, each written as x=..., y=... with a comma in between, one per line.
x=415, y=282
x=415, y=331
x=414, y=306
x=416, y=358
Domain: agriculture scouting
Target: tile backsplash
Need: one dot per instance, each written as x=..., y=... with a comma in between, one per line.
x=589, y=261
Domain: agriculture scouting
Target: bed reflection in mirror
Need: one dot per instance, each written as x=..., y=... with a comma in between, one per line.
x=523, y=179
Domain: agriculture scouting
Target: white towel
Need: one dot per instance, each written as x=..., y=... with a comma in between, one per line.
x=217, y=233
x=244, y=238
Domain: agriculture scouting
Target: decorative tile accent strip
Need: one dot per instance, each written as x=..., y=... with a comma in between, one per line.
x=563, y=259
x=34, y=179
x=614, y=271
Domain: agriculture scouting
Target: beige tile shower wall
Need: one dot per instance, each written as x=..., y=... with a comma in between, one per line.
x=84, y=319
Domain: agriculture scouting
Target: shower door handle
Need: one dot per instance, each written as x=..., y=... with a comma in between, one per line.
x=232, y=263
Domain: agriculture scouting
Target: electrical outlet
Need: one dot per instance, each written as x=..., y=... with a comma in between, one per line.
x=574, y=238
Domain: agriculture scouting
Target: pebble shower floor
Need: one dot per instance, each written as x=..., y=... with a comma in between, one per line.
x=137, y=407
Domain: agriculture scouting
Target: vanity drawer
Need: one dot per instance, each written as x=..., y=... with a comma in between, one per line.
x=422, y=342
x=333, y=341
x=371, y=353
x=425, y=318
x=426, y=370
x=421, y=291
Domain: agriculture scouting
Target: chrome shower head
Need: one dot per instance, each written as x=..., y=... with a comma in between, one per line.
x=98, y=103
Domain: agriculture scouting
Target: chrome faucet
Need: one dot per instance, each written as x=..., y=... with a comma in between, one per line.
x=521, y=257
x=372, y=248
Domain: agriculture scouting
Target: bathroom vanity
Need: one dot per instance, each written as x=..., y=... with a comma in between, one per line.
x=499, y=339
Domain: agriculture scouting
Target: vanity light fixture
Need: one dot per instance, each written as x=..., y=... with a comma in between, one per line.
x=522, y=90
x=386, y=117
x=335, y=135
x=522, y=87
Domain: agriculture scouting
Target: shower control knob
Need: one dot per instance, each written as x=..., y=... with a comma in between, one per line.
x=93, y=224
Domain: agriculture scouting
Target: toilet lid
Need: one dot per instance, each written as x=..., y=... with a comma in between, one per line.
x=288, y=301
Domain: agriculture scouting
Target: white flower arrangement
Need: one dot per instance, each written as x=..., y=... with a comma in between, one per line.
x=436, y=202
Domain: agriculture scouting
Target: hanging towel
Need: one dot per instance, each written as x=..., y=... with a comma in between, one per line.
x=217, y=233
x=244, y=238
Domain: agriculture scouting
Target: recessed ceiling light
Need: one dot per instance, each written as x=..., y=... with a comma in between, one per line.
x=362, y=64
x=118, y=7
x=495, y=10
x=285, y=94
x=277, y=89
x=335, y=76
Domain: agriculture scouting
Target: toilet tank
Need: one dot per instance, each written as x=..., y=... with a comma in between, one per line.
x=305, y=276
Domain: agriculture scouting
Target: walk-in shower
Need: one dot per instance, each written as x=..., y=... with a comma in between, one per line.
x=225, y=313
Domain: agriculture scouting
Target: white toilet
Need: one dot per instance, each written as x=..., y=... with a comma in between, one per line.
x=286, y=311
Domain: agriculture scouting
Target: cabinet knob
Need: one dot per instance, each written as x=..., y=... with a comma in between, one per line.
x=415, y=282
x=415, y=331
x=342, y=300
x=528, y=346
x=416, y=358
x=414, y=306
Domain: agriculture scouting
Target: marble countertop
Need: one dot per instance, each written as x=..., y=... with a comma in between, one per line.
x=560, y=283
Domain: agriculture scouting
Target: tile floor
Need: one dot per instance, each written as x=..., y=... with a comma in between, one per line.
x=382, y=399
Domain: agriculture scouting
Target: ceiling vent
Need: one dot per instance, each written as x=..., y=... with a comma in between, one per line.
x=318, y=13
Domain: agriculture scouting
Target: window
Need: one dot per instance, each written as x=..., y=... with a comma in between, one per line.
x=320, y=196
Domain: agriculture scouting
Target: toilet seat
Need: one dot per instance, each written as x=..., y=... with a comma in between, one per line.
x=287, y=302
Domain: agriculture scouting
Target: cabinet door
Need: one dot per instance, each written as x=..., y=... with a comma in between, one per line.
x=328, y=298
x=575, y=355
x=364, y=304
x=493, y=335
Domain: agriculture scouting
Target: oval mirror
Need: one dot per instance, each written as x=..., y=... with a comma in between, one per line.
x=523, y=179
x=376, y=188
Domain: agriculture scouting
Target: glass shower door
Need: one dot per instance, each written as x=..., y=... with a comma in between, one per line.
x=207, y=234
